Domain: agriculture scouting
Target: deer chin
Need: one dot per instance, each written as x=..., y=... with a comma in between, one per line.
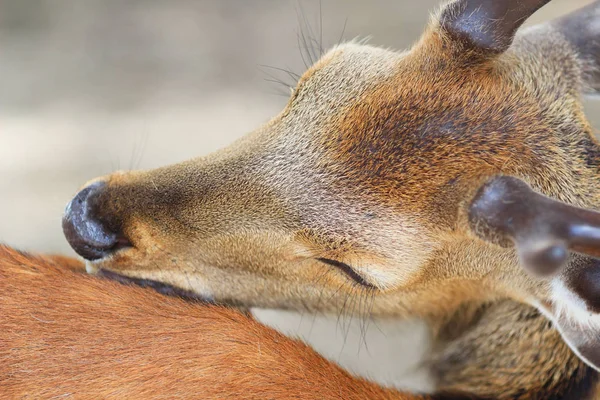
x=171, y=283
x=160, y=287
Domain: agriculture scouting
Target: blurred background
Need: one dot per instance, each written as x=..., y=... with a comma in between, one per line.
x=90, y=86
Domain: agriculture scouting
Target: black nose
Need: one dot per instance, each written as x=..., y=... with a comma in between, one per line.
x=84, y=231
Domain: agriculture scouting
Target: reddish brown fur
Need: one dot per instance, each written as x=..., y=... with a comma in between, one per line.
x=64, y=334
x=67, y=334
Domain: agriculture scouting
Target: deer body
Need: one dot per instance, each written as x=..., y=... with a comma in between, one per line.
x=64, y=334
x=67, y=335
x=388, y=178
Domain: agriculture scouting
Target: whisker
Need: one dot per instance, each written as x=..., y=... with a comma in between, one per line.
x=314, y=312
x=342, y=310
x=317, y=47
x=305, y=26
x=350, y=317
x=306, y=65
x=321, y=27
x=278, y=81
x=312, y=325
x=176, y=261
x=305, y=46
x=290, y=73
x=145, y=137
x=343, y=32
x=370, y=301
x=133, y=155
x=277, y=93
x=112, y=160
x=361, y=322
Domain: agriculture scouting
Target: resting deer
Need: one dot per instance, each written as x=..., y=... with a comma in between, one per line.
x=67, y=335
x=454, y=182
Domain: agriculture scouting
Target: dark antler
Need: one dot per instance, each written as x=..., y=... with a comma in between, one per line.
x=488, y=26
x=543, y=230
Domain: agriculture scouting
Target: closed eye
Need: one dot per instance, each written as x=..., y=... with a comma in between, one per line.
x=349, y=272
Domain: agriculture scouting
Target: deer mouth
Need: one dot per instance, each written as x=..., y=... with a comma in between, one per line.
x=160, y=287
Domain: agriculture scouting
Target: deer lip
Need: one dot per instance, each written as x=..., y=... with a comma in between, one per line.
x=160, y=287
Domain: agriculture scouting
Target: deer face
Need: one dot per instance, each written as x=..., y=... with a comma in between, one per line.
x=383, y=181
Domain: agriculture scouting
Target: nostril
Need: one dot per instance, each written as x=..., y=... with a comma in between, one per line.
x=84, y=231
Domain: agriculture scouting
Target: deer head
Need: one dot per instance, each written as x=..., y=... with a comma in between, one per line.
x=393, y=182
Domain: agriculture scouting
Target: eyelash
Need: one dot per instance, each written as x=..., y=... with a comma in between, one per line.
x=290, y=80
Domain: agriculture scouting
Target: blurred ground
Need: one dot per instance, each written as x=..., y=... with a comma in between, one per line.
x=90, y=86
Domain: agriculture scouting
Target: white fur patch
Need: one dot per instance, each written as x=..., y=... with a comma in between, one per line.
x=578, y=326
x=90, y=268
x=569, y=305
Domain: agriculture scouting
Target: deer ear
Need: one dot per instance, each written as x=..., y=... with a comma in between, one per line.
x=581, y=28
x=506, y=210
x=486, y=26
